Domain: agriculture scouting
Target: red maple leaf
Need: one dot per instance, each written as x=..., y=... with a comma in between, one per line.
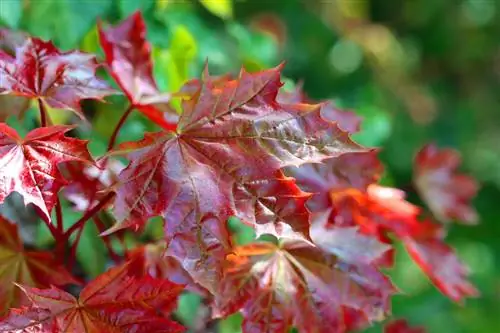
x=29, y=166
x=401, y=326
x=128, y=55
x=446, y=192
x=296, y=284
x=224, y=159
x=31, y=268
x=113, y=302
x=39, y=70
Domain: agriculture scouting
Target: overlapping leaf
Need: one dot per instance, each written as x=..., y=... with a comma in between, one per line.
x=128, y=55
x=30, y=268
x=29, y=166
x=151, y=260
x=347, y=120
x=113, y=302
x=232, y=139
x=39, y=70
x=380, y=210
x=446, y=192
x=296, y=284
x=88, y=183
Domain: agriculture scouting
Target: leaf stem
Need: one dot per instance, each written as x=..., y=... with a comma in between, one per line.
x=89, y=214
x=43, y=113
x=118, y=126
x=59, y=216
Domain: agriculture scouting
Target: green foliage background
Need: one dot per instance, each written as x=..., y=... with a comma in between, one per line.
x=417, y=71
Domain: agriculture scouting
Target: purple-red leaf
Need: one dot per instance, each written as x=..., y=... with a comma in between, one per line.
x=232, y=139
x=295, y=283
x=446, y=192
x=347, y=243
x=39, y=70
x=128, y=55
x=113, y=302
x=29, y=166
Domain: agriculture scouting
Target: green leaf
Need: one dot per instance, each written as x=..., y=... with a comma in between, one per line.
x=220, y=8
x=11, y=12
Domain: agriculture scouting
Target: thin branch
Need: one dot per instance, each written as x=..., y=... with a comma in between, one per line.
x=43, y=113
x=118, y=126
x=89, y=214
x=59, y=216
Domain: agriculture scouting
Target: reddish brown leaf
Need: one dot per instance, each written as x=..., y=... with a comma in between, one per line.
x=401, y=326
x=128, y=55
x=62, y=79
x=113, y=302
x=151, y=260
x=231, y=141
x=446, y=192
x=30, y=268
x=295, y=283
x=29, y=166
x=347, y=243
x=352, y=170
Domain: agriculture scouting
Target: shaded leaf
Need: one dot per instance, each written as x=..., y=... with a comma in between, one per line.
x=30, y=268
x=113, y=302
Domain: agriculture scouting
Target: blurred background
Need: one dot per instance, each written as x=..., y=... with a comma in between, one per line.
x=416, y=71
